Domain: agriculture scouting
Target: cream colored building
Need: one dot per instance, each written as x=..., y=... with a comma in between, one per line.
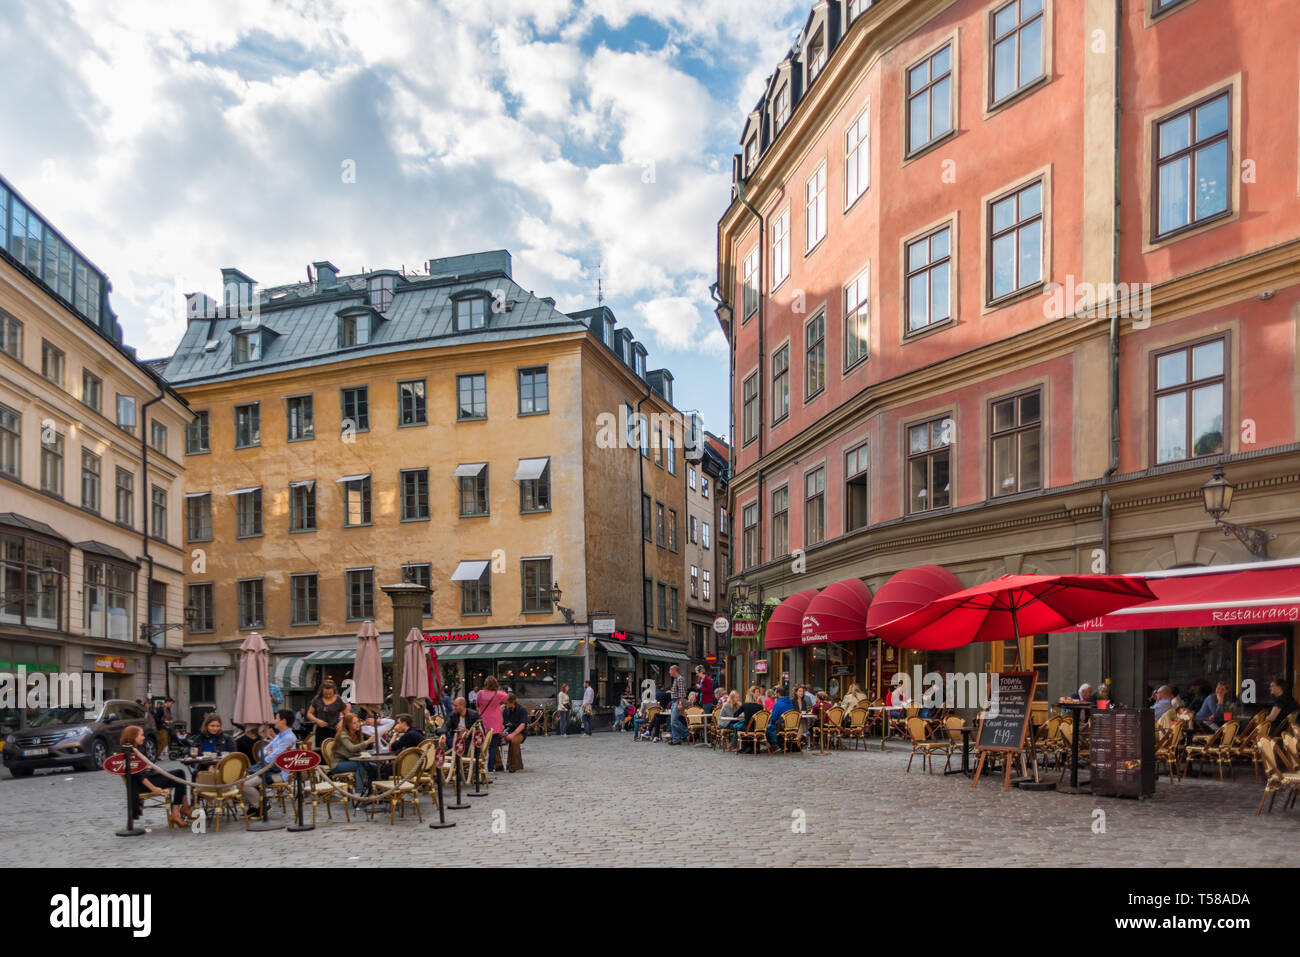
x=90, y=475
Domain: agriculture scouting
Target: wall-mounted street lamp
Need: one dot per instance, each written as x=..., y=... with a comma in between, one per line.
x=556, y=595
x=149, y=631
x=1217, y=493
x=49, y=578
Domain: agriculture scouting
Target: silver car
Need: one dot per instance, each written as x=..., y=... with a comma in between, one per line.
x=75, y=737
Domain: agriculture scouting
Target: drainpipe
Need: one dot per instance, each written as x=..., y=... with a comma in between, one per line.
x=1114, y=328
x=147, y=501
x=646, y=616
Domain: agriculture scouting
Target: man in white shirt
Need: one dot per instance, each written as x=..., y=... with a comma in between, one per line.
x=588, y=704
x=368, y=729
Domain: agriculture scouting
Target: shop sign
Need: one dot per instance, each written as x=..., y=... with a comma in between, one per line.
x=435, y=636
x=602, y=626
x=742, y=628
x=721, y=624
x=109, y=665
x=29, y=667
x=620, y=635
x=297, y=760
x=760, y=667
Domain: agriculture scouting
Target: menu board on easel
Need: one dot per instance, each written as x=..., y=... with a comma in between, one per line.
x=1004, y=729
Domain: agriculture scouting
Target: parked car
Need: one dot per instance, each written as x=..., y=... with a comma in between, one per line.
x=76, y=737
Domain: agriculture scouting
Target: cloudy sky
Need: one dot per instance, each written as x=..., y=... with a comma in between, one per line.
x=168, y=140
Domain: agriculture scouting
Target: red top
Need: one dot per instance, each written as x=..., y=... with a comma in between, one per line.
x=489, y=709
x=706, y=690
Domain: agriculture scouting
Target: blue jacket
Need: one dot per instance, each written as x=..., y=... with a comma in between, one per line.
x=779, y=707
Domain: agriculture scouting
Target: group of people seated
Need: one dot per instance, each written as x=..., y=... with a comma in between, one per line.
x=1205, y=709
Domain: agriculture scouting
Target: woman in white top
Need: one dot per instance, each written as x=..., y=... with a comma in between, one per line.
x=563, y=710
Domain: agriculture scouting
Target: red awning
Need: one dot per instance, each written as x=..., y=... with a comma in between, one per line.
x=785, y=624
x=839, y=613
x=1229, y=595
x=908, y=590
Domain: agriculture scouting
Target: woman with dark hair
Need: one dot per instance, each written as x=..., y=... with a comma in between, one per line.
x=325, y=710
x=1281, y=705
x=153, y=781
x=350, y=741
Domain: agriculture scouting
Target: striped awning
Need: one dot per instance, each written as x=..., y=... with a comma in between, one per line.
x=196, y=672
x=659, y=654
x=343, y=656
x=615, y=649
x=291, y=674
x=534, y=648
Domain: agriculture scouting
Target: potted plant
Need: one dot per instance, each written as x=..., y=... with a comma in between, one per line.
x=1103, y=695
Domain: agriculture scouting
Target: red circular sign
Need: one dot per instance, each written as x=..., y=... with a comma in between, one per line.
x=439, y=756
x=459, y=746
x=116, y=764
x=478, y=738
x=297, y=760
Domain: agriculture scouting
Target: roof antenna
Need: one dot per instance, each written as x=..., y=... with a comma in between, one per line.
x=600, y=289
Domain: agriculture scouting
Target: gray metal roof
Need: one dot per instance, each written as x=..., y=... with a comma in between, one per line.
x=14, y=520
x=99, y=548
x=302, y=321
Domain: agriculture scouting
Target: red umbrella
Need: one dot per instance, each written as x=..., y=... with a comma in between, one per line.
x=908, y=590
x=839, y=613
x=1005, y=608
x=785, y=625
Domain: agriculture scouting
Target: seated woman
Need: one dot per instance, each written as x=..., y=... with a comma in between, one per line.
x=211, y=739
x=747, y=711
x=156, y=783
x=853, y=698
x=728, y=713
x=350, y=741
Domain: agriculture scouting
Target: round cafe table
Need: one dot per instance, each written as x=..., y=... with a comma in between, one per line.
x=966, y=730
x=193, y=763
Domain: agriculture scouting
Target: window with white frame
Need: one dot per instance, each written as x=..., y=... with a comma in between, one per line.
x=815, y=208
x=856, y=313
x=857, y=159
x=781, y=249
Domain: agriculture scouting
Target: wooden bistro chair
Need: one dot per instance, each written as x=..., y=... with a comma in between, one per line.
x=832, y=727
x=1168, y=750
x=1246, y=747
x=1221, y=753
x=756, y=732
x=229, y=798
x=649, y=719
x=696, y=728
x=396, y=790
x=951, y=726
x=467, y=761
x=856, y=729
x=325, y=792
x=1276, y=779
x=424, y=781
x=788, y=733
x=925, y=747
x=1290, y=751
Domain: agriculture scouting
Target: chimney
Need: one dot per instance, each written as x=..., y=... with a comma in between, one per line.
x=199, y=305
x=237, y=294
x=327, y=275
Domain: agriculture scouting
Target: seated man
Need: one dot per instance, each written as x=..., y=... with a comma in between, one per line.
x=514, y=719
x=1164, y=700
x=779, y=708
x=1210, y=715
x=404, y=735
x=462, y=718
x=368, y=727
x=284, y=740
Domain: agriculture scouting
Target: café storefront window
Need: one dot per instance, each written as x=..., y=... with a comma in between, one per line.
x=829, y=666
x=532, y=679
x=1192, y=660
x=32, y=575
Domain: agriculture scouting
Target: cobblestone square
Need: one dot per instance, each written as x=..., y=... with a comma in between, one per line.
x=607, y=801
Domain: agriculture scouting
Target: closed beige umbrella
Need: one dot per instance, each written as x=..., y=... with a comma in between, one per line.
x=253, y=691
x=368, y=672
x=415, y=668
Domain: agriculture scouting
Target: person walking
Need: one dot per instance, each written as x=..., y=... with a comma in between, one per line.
x=588, y=706
x=325, y=710
x=677, y=694
x=563, y=710
x=705, y=684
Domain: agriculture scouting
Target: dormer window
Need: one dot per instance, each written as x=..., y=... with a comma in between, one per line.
x=381, y=291
x=781, y=108
x=248, y=346
x=609, y=332
x=471, y=313
x=354, y=330
x=638, y=360
x=751, y=155
x=816, y=56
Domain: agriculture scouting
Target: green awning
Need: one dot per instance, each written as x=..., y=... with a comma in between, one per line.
x=534, y=648
x=615, y=649
x=343, y=656
x=291, y=674
x=197, y=672
x=660, y=654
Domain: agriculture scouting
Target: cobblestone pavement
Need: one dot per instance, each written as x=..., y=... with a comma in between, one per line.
x=605, y=801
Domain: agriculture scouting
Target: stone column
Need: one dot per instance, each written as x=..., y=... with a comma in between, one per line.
x=408, y=612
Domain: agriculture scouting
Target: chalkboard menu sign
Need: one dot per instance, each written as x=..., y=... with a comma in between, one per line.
x=1122, y=752
x=1004, y=729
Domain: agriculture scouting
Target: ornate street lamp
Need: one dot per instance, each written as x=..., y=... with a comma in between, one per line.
x=1217, y=495
x=555, y=595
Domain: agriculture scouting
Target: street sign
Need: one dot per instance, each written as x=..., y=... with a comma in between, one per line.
x=721, y=624
x=602, y=626
x=297, y=760
x=760, y=667
x=116, y=764
x=711, y=659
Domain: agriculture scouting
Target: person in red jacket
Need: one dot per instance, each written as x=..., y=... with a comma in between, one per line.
x=705, y=684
